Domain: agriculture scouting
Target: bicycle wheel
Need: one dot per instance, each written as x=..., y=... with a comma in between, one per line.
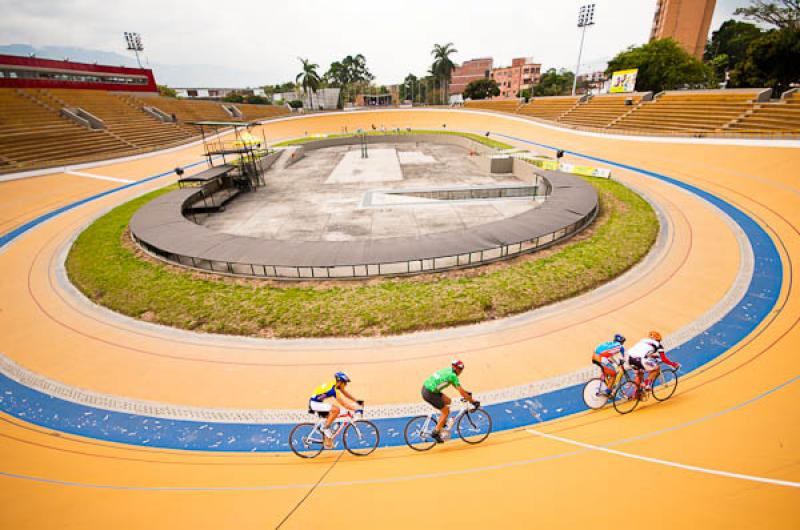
x=593, y=394
x=474, y=426
x=626, y=397
x=305, y=440
x=416, y=437
x=361, y=437
x=665, y=384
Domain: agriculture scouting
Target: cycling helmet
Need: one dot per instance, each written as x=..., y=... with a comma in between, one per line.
x=619, y=338
x=457, y=364
x=655, y=335
x=341, y=377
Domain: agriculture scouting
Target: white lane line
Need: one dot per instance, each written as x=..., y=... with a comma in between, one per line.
x=667, y=462
x=98, y=177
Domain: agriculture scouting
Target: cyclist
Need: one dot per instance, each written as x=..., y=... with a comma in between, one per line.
x=644, y=357
x=432, y=393
x=327, y=398
x=608, y=356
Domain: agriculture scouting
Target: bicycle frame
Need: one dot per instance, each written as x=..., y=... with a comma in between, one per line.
x=427, y=428
x=344, y=419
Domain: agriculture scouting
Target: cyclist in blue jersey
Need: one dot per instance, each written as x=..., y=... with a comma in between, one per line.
x=608, y=356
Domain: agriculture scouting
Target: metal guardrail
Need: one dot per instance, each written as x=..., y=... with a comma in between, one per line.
x=146, y=229
x=370, y=270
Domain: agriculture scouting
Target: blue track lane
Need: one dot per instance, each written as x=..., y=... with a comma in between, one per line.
x=54, y=413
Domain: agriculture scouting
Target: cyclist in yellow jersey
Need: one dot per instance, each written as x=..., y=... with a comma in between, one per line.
x=327, y=397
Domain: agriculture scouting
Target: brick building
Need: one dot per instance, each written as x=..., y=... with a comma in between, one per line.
x=470, y=71
x=523, y=74
x=685, y=21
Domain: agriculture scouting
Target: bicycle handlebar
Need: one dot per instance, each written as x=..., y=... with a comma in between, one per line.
x=475, y=405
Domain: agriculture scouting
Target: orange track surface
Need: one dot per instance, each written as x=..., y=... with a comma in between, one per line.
x=516, y=479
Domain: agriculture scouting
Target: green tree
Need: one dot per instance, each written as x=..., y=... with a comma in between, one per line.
x=257, y=100
x=728, y=45
x=233, y=98
x=409, y=90
x=166, y=91
x=481, y=89
x=663, y=65
x=783, y=14
x=442, y=67
x=554, y=83
x=349, y=72
x=772, y=61
x=309, y=79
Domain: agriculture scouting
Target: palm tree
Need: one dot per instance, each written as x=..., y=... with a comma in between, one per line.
x=309, y=79
x=442, y=66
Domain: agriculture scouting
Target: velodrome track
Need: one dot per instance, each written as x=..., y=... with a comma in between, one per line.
x=724, y=452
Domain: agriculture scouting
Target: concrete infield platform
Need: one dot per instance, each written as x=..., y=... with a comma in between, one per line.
x=571, y=205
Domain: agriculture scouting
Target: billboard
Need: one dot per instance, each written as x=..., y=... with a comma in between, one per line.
x=624, y=81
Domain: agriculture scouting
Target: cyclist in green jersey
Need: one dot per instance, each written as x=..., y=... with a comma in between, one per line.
x=432, y=393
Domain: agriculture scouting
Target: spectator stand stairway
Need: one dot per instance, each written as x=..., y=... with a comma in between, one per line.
x=693, y=112
x=33, y=134
x=141, y=130
x=773, y=117
x=550, y=108
x=604, y=110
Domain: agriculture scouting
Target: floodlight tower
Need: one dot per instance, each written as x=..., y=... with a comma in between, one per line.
x=585, y=19
x=134, y=42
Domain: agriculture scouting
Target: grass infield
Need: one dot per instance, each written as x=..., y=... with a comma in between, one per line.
x=109, y=269
x=485, y=140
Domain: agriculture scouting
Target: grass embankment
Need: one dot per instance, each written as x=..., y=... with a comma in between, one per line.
x=109, y=271
x=392, y=132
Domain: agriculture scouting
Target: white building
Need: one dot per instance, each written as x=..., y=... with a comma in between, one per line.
x=217, y=93
x=324, y=98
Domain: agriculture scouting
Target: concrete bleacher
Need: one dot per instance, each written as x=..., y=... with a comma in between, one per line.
x=690, y=111
x=501, y=105
x=781, y=116
x=34, y=135
x=602, y=111
x=261, y=112
x=549, y=108
x=188, y=111
x=740, y=112
x=135, y=127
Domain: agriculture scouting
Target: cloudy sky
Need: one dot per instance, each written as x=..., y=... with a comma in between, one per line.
x=257, y=42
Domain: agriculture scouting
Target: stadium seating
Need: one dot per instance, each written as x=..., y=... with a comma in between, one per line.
x=707, y=112
x=549, y=108
x=601, y=111
x=186, y=110
x=689, y=111
x=121, y=118
x=33, y=135
x=781, y=117
x=261, y=112
x=501, y=105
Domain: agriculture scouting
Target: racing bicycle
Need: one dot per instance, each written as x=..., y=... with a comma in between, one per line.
x=359, y=436
x=473, y=425
x=626, y=394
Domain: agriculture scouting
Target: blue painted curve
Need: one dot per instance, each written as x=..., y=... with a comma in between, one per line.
x=54, y=413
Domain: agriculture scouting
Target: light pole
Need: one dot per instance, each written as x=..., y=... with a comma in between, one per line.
x=585, y=18
x=134, y=41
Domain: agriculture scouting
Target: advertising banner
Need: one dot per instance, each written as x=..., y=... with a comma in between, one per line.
x=623, y=81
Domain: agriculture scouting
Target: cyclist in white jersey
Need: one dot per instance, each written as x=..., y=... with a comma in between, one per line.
x=645, y=355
